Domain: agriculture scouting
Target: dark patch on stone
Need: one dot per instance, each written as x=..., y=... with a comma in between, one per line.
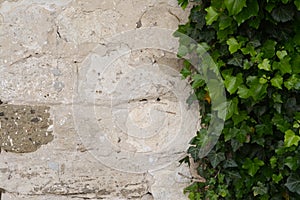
x=24, y=129
x=1, y=114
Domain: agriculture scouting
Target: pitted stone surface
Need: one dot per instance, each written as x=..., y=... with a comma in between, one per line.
x=24, y=128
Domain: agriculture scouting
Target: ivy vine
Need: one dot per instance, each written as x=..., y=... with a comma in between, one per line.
x=256, y=47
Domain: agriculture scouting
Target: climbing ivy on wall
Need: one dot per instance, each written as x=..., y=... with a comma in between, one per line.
x=256, y=47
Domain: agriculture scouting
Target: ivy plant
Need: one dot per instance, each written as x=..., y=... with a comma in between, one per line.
x=255, y=45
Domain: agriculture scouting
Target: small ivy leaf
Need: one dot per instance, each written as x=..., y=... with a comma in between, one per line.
x=260, y=189
x=265, y=65
x=277, y=178
x=297, y=4
x=237, y=60
x=277, y=81
x=193, y=151
x=273, y=162
x=233, y=45
x=281, y=54
x=235, y=6
x=251, y=10
x=280, y=123
x=293, y=183
x=291, y=139
x=292, y=82
x=252, y=166
x=215, y=158
x=283, y=13
x=211, y=16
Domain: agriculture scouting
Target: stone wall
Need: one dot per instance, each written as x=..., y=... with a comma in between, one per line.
x=92, y=105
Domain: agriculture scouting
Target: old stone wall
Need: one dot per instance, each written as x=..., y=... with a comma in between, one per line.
x=92, y=105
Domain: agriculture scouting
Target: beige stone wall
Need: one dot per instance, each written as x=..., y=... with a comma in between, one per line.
x=107, y=72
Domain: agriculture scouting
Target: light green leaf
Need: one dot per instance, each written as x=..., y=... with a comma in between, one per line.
x=233, y=45
x=211, y=16
x=273, y=162
x=233, y=82
x=293, y=183
x=234, y=6
x=292, y=82
x=281, y=54
x=277, y=178
x=252, y=166
x=243, y=92
x=277, y=81
x=265, y=65
x=198, y=81
x=291, y=139
x=260, y=189
x=283, y=66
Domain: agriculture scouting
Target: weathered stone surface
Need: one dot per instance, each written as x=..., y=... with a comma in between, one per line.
x=108, y=71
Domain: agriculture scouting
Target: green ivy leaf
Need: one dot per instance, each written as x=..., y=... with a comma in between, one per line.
x=249, y=11
x=234, y=6
x=297, y=4
x=252, y=166
x=243, y=92
x=273, y=162
x=292, y=82
x=291, y=162
x=283, y=66
x=215, y=158
x=183, y=3
x=277, y=178
x=265, y=65
x=277, y=81
x=225, y=22
x=260, y=189
x=293, y=183
x=291, y=139
x=281, y=54
x=211, y=16
x=268, y=48
x=233, y=82
x=198, y=81
x=233, y=45
x=283, y=13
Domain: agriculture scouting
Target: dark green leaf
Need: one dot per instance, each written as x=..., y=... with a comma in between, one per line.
x=249, y=11
x=283, y=13
x=269, y=48
x=293, y=183
x=215, y=158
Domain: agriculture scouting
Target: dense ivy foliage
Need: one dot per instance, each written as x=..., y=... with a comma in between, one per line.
x=256, y=47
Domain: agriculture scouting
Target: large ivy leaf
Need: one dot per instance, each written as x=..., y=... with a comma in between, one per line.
x=283, y=13
x=250, y=11
x=283, y=66
x=291, y=162
x=234, y=6
x=225, y=22
x=215, y=158
x=293, y=183
x=233, y=82
x=212, y=15
x=269, y=48
x=290, y=138
x=252, y=166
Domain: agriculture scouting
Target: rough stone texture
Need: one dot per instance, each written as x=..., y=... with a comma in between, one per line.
x=24, y=128
x=108, y=72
